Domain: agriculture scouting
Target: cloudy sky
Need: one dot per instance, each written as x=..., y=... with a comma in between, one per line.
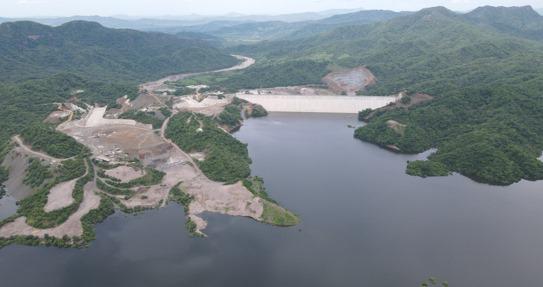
x=24, y=8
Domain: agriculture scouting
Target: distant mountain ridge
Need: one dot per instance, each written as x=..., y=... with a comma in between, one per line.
x=522, y=21
x=169, y=24
x=32, y=50
x=271, y=30
x=486, y=82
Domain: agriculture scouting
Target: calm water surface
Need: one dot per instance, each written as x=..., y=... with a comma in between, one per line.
x=365, y=223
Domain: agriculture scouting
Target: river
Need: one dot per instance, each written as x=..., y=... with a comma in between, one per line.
x=365, y=223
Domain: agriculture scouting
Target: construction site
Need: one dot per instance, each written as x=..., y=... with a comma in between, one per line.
x=137, y=167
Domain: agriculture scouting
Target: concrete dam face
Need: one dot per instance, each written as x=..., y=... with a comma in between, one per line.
x=318, y=104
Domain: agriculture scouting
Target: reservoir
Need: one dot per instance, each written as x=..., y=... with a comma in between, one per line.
x=364, y=223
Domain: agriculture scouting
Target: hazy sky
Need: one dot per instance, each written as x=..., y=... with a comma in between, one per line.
x=22, y=8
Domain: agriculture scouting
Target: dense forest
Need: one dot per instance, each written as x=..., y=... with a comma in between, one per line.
x=31, y=50
x=226, y=158
x=45, y=138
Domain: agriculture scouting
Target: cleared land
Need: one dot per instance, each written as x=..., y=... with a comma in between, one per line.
x=349, y=81
x=122, y=149
x=71, y=227
x=118, y=142
x=60, y=196
x=124, y=173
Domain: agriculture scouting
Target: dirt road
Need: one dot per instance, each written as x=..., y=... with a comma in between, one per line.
x=41, y=155
x=151, y=86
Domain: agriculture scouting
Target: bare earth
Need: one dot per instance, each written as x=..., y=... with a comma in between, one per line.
x=350, y=81
x=118, y=141
x=124, y=173
x=60, y=196
x=210, y=106
x=158, y=152
x=71, y=227
x=17, y=162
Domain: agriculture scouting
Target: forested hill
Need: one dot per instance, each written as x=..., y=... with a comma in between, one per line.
x=270, y=30
x=41, y=65
x=518, y=21
x=485, y=118
x=32, y=50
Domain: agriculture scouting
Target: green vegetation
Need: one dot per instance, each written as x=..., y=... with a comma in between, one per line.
x=273, y=213
x=227, y=159
x=45, y=138
x=41, y=65
x=257, y=111
x=231, y=115
x=71, y=169
x=113, y=190
x=272, y=30
x=149, y=118
x=29, y=102
x=4, y=174
x=363, y=114
x=36, y=173
x=266, y=75
x=256, y=186
x=75, y=47
x=182, y=91
x=278, y=216
x=184, y=199
x=165, y=112
x=484, y=118
x=516, y=21
x=94, y=217
x=104, y=165
x=424, y=168
x=33, y=206
x=88, y=221
x=432, y=281
x=151, y=177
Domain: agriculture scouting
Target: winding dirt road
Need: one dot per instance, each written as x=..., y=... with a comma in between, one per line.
x=152, y=86
x=41, y=155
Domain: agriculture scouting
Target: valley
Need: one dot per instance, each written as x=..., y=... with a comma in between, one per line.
x=334, y=148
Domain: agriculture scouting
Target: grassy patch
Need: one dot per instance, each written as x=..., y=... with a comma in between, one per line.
x=278, y=216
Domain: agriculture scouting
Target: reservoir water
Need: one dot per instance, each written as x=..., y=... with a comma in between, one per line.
x=364, y=223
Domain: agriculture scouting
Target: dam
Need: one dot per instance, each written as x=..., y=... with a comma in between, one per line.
x=318, y=104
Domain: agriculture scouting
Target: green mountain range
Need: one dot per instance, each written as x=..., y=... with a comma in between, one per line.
x=518, y=21
x=40, y=65
x=31, y=50
x=273, y=30
x=485, y=73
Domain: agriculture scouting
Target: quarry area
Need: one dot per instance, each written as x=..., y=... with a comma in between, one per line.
x=123, y=153
x=135, y=166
